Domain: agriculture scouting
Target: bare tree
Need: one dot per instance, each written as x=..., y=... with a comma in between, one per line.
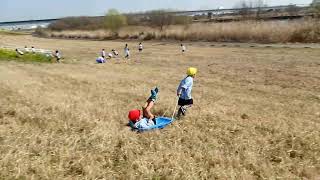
x=315, y=2
x=160, y=18
x=114, y=20
x=251, y=9
x=245, y=9
x=259, y=4
x=210, y=14
x=315, y=7
x=293, y=10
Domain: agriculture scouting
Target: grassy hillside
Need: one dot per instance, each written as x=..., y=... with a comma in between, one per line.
x=8, y=55
x=256, y=113
x=4, y=32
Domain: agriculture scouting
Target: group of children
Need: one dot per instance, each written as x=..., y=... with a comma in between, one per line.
x=104, y=56
x=101, y=59
x=184, y=90
x=147, y=118
x=56, y=54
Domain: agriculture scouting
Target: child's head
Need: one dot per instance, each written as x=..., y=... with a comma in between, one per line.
x=134, y=115
x=192, y=71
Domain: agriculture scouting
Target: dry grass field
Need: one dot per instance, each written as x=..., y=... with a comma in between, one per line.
x=256, y=113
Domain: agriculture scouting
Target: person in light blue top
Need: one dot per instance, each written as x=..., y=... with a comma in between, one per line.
x=184, y=92
x=185, y=88
x=144, y=123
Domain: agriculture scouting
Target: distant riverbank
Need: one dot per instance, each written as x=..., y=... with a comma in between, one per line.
x=302, y=31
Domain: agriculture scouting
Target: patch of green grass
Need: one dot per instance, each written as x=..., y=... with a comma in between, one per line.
x=9, y=55
x=5, y=32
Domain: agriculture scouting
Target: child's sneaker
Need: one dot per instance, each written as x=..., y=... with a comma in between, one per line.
x=154, y=94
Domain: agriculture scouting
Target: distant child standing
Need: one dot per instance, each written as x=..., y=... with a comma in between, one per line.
x=183, y=48
x=57, y=55
x=127, y=51
x=103, y=53
x=33, y=50
x=26, y=49
x=140, y=47
x=184, y=92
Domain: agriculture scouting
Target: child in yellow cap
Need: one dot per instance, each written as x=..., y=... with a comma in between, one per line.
x=184, y=92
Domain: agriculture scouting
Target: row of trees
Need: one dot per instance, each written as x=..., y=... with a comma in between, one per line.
x=247, y=5
x=158, y=18
x=115, y=20
x=316, y=7
x=161, y=18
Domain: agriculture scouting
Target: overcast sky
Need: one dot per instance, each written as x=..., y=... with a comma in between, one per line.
x=12, y=10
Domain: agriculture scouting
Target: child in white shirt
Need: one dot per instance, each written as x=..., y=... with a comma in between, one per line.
x=58, y=56
x=110, y=55
x=19, y=52
x=140, y=47
x=126, y=52
x=183, y=48
x=103, y=53
x=115, y=52
x=33, y=50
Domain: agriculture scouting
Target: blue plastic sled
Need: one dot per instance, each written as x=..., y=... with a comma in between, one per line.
x=161, y=122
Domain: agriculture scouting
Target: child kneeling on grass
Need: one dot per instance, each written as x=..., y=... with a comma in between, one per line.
x=184, y=92
x=147, y=119
x=100, y=60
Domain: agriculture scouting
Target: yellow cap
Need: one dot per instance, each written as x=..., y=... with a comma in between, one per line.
x=192, y=71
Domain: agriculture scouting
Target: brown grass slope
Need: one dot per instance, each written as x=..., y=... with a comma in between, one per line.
x=256, y=114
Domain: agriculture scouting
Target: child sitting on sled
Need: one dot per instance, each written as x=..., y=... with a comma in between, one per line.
x=147, y=119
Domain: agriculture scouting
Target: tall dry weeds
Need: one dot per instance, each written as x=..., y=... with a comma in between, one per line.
x=245, y=31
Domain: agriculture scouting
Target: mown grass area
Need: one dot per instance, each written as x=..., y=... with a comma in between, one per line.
x=9, y=55
x=5, y=32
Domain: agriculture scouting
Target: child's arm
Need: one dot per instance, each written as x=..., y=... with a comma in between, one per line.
x=179, y=89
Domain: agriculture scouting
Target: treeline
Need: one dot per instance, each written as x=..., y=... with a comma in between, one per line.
x=163, y=25
x=77, y=23
x=306, y=31
x=114, y=21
